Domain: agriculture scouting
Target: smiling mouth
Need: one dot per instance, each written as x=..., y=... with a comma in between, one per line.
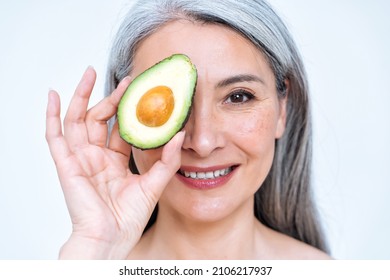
x=212, y=174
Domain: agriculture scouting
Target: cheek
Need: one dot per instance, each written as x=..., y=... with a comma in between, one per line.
x=255, y=139
x=255, y=125
x=254, y=136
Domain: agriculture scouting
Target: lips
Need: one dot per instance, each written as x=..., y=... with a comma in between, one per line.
x=206, y=178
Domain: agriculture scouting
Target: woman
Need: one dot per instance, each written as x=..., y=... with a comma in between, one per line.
x=248, y=132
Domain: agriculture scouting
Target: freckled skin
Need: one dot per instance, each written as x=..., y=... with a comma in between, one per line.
x=217, y=132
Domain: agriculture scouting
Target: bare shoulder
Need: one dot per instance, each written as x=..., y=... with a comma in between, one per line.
x=295, y=249
x=281, y=246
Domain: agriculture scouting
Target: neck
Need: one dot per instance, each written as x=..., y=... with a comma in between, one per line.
x=232, y=237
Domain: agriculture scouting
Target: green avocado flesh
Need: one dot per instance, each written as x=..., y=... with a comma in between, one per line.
x=157, y=103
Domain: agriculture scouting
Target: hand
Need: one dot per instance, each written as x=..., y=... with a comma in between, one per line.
x=108, y=205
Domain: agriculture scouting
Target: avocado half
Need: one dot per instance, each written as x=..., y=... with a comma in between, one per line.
x=157, y=103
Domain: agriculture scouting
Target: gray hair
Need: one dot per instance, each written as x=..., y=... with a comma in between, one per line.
x=284, y=202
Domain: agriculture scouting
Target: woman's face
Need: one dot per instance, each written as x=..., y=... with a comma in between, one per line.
x=231, y=132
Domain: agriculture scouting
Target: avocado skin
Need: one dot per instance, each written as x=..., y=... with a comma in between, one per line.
x=135, y=138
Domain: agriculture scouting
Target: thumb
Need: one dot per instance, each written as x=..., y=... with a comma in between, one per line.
x=155, y=180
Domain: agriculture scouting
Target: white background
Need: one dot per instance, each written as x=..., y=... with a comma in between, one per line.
x=346, y=48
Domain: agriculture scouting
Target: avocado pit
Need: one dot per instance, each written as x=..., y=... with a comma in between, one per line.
x=155, y=106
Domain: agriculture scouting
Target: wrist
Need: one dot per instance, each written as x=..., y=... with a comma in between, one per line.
x=79, y=247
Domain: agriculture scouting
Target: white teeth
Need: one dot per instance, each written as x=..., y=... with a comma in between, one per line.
x=209, y=175
x=206, y=175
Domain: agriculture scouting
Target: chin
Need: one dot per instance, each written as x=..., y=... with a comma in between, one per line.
x=205, y=205
x=198, y=210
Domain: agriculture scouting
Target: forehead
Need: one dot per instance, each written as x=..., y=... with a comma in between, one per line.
x=216, y=50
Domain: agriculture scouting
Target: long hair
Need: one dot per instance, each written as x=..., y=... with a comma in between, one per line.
x=284, y=202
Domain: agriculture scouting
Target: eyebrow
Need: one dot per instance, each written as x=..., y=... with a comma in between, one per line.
x=238, y=79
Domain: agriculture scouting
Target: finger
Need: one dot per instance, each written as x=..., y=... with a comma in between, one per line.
x=155, y=180
x=97, y=116
x=74, y=123
x=117, y=144
x=57, y=144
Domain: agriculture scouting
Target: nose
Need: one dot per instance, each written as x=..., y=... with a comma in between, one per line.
x=204, y=133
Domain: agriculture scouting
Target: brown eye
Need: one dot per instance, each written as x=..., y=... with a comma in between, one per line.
x=240, y=96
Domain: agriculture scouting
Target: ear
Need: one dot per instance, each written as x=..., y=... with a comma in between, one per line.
x=281, y=122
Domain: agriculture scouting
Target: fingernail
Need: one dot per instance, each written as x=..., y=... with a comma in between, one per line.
x=127, y=78
x=181, y=135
